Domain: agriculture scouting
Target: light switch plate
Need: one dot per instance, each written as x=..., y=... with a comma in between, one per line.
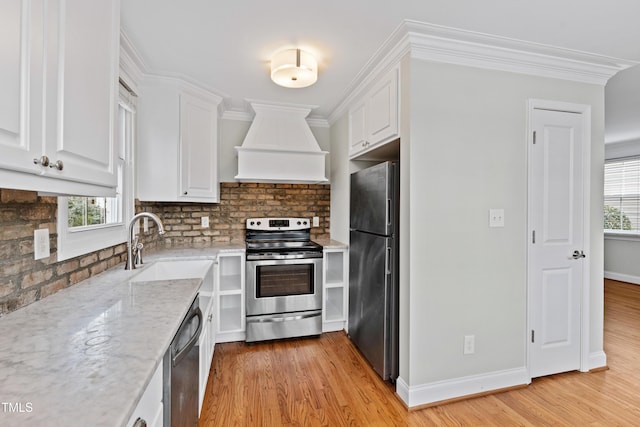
x=41, y=243
x=204, y=222
x=496, y=217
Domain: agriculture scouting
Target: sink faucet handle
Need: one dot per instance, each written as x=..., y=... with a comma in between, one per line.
x=138, y=251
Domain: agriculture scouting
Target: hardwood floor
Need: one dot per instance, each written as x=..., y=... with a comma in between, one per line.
x=325, y=382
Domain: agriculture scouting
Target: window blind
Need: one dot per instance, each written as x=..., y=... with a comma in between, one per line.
x=622, y=195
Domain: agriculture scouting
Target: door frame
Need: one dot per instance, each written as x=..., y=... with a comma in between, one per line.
x=585, y=111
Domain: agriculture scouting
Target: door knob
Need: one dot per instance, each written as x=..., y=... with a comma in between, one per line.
x=578, y=255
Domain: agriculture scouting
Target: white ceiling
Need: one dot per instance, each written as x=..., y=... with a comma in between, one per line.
x=226, y=46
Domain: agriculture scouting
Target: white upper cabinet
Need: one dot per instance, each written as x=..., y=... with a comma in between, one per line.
x=374, y=120
x=20, y=84
x=177, y=155
x=58, y=79
x=357, y=128
x=198, y=149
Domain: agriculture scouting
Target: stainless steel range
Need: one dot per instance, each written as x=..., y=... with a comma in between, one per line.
x=284, y=279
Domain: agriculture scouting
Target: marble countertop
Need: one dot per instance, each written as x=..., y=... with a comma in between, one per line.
x=331, y=244
x=85, y=355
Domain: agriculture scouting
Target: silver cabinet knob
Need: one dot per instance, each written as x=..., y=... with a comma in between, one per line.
x=42, y=161
x=57, y=165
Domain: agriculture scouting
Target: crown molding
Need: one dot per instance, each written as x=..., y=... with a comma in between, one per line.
x=132, y=67
x=186, y=84
x=436, y=43
x=392, y=50
x=317, y=122
x=461, y=47
x=238, y=115
x=247, y=114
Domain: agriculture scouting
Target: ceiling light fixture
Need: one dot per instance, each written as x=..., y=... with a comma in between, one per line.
x=294, y=68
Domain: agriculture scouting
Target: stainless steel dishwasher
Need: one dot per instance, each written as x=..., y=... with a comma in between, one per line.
x=181, y=369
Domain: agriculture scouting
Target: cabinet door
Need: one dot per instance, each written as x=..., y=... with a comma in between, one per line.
x=383, y=109
x=203, y=370
x=357, y=129
x=198, y=149
x=21, y=26
x=82, y=44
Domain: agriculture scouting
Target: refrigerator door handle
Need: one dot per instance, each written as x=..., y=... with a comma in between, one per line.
x=387, y=260
x=389, y=219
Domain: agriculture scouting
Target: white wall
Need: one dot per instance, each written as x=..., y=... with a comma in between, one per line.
x=622, y=103
x=339, y=179
x=467, y=155
x=232, y=133
x=622, y=130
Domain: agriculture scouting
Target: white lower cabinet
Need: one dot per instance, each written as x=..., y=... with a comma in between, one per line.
x=150, y=407
x=335, y=290
x=230, y=285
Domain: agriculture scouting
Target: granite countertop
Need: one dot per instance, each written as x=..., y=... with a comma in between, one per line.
x=85, y=355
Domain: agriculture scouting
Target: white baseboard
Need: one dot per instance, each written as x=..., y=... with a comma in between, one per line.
x=597, y=360
x=230, y=337
x=438, y=391
x=622, y=277
x=333, y=326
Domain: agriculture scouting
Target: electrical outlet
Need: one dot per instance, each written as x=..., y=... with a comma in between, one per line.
x=496, y=217
x=145, y=226
x=469, y=344
x=41, y=243
x=204, y=222
x=316, y=221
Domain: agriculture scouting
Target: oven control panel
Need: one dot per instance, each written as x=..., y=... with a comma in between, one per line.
x=278, y=224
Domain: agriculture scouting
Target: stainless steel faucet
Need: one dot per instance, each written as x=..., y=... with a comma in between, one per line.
x=133, y=247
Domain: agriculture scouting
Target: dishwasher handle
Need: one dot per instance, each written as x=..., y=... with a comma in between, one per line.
x=180, y=354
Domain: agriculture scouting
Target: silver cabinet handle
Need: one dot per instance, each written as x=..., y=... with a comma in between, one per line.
x=577, y=255
x=140, y=423
x=42, y=161
x=57, y=165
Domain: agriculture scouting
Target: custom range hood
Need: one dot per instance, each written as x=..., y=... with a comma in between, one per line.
x=280, y=147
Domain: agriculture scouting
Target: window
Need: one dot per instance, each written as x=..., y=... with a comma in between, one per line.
x=622, y=195
x=87, y=224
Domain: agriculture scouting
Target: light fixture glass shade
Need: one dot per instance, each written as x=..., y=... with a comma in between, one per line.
x=294, y=68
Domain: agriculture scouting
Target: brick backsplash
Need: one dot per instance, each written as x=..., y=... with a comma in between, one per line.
x=24, y=280
x=239, y=201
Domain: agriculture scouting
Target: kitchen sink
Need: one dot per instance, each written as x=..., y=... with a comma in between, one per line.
x=172, y=270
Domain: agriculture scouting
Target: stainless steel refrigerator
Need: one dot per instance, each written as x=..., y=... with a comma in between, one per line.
x=373, y=266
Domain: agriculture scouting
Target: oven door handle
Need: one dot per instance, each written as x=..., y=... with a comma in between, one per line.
x=286, y=318
x=180, y=354
x=310, y=255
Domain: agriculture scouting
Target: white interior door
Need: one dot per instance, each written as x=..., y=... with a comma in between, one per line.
x=556, y=242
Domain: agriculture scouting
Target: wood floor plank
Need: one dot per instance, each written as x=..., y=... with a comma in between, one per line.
x=326, y=382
